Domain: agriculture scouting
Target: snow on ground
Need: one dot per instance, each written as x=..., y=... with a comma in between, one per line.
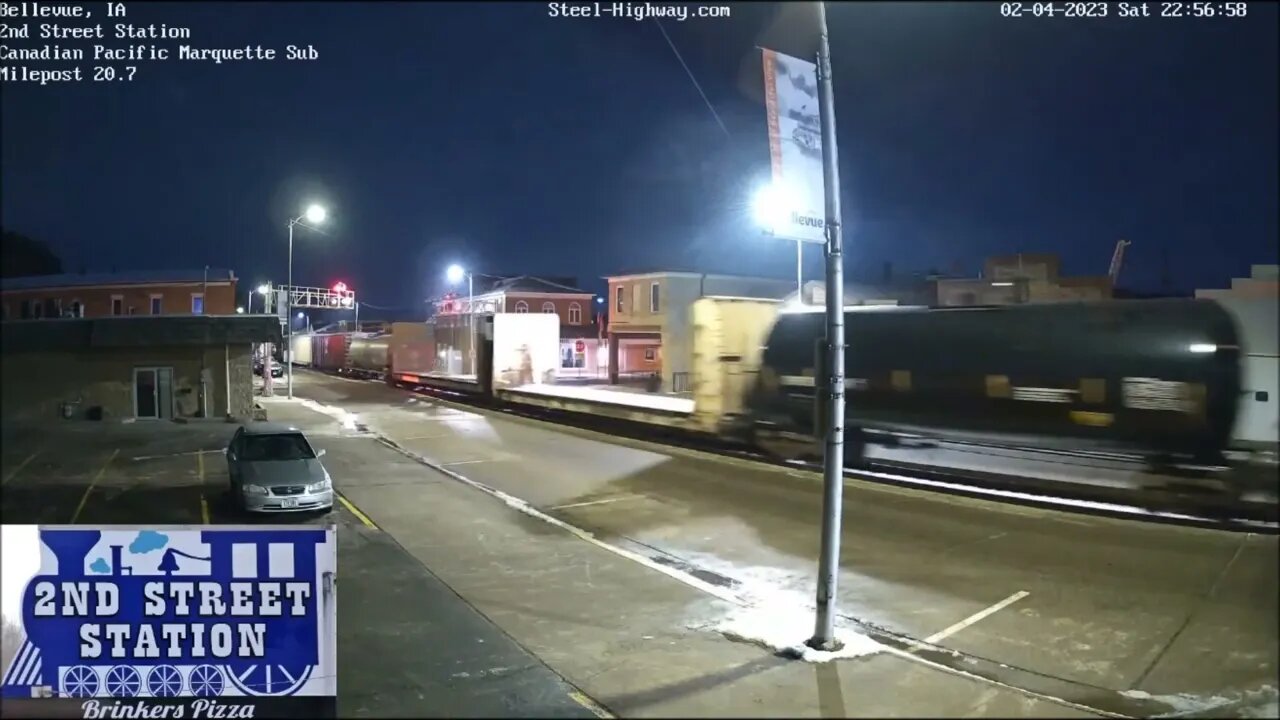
x=1258, y=703
x=783, y=625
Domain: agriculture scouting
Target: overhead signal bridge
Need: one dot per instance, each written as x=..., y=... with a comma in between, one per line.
x=338, y=297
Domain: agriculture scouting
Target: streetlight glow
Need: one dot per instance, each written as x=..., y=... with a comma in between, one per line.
x=455, y=273
x=264, y=289
x=315, y=214
x=240, y=309
x=772, y=206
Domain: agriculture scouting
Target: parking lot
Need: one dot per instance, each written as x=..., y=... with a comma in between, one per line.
x=391, y=607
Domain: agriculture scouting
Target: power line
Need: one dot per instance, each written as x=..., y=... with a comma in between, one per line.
x=689, y=72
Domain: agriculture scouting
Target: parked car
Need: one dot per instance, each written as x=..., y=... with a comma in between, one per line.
x=274, y=468
x=277, y=370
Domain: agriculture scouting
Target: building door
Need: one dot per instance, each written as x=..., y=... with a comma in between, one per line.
x=153, y=393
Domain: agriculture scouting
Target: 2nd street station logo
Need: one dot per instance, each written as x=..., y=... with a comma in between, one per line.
x=176, y=623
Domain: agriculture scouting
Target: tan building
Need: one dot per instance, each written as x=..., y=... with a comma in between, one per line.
x=148, y=368
x=1022, y=278
x=190, y=292
x=650, y=327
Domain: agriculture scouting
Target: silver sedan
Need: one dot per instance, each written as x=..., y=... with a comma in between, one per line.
x=273, y=468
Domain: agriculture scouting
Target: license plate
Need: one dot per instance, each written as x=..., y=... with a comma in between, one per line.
x=289, y=503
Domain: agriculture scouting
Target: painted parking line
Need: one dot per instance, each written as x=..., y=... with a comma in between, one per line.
x=138, y=458
x=619, y=498
x=976, y=617
x=595, y=707
x=354, y=510
x=92, y=483
x=18, y=469
x=204, y=503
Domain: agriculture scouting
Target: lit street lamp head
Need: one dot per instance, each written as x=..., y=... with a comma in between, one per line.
x=771, y=206
x=315, y=215
x=240, y=309
x=455, y=273
x=264, y=289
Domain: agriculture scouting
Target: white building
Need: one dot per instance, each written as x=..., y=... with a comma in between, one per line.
x=1255, y=303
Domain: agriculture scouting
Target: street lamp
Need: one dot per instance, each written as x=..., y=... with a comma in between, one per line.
x=314, y=215
x=772, y=207
x=239, y=309
x=454, y=274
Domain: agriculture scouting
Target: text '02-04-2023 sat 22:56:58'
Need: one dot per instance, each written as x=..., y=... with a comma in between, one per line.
x=1098, y=10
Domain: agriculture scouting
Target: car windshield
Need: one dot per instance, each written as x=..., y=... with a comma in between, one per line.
x=267, y=448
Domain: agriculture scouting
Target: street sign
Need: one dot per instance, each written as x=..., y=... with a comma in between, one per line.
x=795, y=149
x=176, y=617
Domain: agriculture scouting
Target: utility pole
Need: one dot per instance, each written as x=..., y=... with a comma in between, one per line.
x=833, y=463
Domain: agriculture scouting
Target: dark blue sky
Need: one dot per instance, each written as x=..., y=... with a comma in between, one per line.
x=495, y=135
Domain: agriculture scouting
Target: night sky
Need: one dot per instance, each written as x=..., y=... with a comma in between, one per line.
x=513, y=142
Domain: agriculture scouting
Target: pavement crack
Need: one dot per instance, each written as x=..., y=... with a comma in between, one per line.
x=1186, y=622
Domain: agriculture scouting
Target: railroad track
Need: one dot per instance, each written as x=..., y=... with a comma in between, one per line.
x=1168, y=499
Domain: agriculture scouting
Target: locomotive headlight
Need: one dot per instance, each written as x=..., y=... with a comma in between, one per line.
x=1203, y=348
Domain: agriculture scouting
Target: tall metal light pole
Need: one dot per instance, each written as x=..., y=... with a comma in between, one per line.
x=833, y=465
x=314, y=214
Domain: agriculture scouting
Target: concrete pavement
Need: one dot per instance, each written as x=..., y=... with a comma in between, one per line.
x=408, y=646
x=1086, y=608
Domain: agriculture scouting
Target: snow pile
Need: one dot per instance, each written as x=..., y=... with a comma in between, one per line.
x=785, y=626
x=1259, y=703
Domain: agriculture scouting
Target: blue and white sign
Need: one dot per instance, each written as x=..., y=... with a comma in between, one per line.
x=199, y=616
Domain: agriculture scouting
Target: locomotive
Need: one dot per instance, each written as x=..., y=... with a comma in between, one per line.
x=1156, y=378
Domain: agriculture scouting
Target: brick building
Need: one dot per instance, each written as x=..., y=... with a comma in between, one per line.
x=174, y=292
x=143, y=367
x=519, y=294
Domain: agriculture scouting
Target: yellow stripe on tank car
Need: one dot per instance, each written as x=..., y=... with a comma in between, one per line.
x=1092, y=419
x=1093, y=390
x=900, y=380
x=998, y=386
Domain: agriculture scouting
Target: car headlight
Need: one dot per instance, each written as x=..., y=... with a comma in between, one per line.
x=318, y=487
x=254, y=490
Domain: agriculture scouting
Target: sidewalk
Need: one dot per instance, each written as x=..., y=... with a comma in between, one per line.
x=638, y=641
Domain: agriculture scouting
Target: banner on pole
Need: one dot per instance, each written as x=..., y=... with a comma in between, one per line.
x=171, y=622
x=795, y=147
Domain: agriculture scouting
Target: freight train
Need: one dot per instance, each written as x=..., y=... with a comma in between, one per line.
x=1155, y=378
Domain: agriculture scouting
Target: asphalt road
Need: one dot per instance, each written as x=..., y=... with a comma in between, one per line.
x=1115, y=605
x=408, y=645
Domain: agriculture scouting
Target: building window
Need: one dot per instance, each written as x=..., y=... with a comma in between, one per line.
x=548, y=307
x=24, y=310
x=197, y=304
x=54, y=307
x=157, y=304
x=570, y=358
x=522, y=307
x=133, y=310
x=77, y=309
x=117, y=304
x=650, y=354
x=575, y=314
x=653, y=298
x=37, y=309
x=620, y=304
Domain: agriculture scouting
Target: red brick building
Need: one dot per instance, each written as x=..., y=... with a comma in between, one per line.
x=523, y=294
x=189, y=292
